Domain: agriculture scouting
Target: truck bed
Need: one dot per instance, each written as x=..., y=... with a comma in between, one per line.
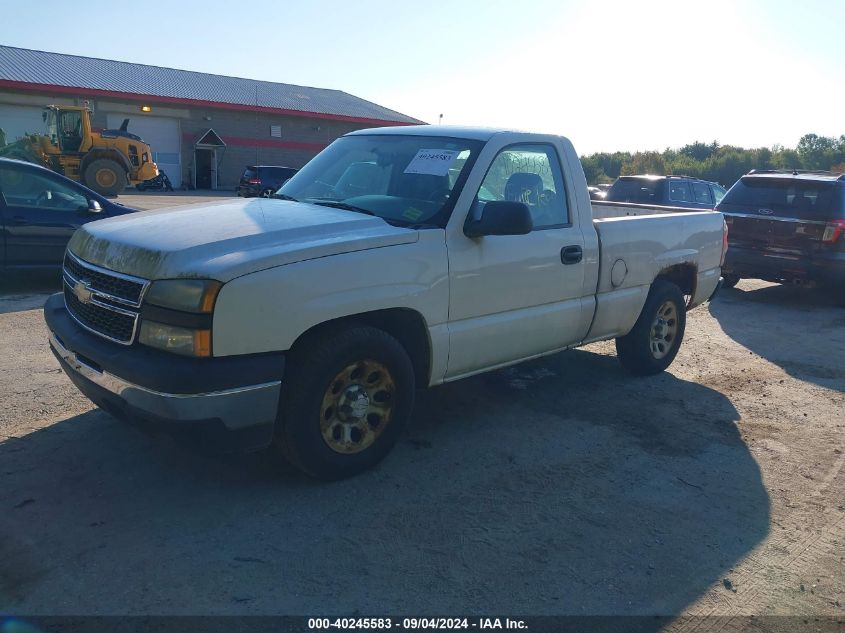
x=637, y=247
x=603, y=210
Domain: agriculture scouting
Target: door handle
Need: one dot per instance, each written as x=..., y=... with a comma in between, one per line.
x=18, y=220
x=571, y=255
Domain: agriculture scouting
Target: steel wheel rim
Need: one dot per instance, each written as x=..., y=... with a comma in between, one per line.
x=105, y=177
x=664, y=330
x=357, y=406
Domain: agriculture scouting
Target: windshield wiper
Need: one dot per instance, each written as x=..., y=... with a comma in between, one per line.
x=337, y=204
x=284, y=196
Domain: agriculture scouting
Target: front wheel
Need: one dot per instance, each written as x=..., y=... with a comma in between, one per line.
x=654, y=341
x=347, y=400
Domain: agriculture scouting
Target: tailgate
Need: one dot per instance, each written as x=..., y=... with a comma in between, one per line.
x=776, y=232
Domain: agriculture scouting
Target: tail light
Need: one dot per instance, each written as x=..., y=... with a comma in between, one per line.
x=255, y=181
x=833, y=230
x=724, y=241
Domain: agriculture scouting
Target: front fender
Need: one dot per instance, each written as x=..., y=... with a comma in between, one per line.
x=268, y=310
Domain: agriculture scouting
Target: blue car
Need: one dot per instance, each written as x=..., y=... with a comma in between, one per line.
x=666, y=191
x=39, y=211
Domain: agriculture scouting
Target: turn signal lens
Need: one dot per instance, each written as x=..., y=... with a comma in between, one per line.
x=178, y=340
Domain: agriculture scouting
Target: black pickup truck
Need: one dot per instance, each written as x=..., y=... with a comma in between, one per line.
x=786, y=227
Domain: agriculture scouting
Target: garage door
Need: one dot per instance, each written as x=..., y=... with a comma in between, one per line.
x=162, y=135
x=19, y=120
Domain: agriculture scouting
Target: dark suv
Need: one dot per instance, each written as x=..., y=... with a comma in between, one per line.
x=666, y=191
x=785, y=226
x=263, y=180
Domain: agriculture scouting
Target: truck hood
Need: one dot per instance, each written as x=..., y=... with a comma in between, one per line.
x=224, y=240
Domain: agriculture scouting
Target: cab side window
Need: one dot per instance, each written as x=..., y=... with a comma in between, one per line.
x=530, y=174
x=702, y=194
x=679, y=191
x=29, y=189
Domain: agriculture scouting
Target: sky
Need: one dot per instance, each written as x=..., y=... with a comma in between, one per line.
x=611, y=75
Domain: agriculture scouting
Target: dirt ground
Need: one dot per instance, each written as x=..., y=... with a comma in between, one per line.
x=157, y=200
x=562, y=486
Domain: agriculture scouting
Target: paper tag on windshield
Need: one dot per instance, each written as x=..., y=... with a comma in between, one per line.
x=432, y=162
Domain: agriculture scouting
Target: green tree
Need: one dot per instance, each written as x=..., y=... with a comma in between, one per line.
x=720, y=163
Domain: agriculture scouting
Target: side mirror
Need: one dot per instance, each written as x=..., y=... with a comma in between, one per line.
x=94, y=207
x=501, y=217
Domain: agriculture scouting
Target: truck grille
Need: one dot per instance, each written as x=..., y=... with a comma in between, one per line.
x=105, y=302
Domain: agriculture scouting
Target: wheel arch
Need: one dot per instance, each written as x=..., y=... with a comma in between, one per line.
x=685, y=276
x=404, y=324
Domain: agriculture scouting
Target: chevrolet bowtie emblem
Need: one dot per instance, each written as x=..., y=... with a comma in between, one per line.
x=82, y=290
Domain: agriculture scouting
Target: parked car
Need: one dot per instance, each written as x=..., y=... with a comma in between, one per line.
x=308, y=322
x=596, y=193
x=787, y=227
x=263, y=180
x=668, y=191
x=39, y=211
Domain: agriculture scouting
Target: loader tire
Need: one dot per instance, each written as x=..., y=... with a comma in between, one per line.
x=105, y=176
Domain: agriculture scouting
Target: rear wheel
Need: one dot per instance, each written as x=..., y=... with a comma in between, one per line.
x=729, y=280
x=346, y=402
x=654, y=341
x=105, y=176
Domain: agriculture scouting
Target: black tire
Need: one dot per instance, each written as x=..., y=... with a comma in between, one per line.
x=729, y=280
x=105, y=176
x=310, y=394
x=644, y=351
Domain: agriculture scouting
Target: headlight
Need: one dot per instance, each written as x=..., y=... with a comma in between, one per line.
x=186, y=295
x=172, y=338
x=177, y=316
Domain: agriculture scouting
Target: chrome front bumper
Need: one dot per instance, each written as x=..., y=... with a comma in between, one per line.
x=237, y=409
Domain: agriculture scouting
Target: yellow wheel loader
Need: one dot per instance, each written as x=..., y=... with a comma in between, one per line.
x=104, y=161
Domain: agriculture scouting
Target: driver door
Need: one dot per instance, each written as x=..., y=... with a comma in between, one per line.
x=40, y=212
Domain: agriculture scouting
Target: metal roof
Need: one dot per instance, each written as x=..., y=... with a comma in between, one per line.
x=22, y=68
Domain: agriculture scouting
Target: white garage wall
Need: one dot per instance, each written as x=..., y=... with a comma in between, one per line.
x=162, y=135
x=19, y=120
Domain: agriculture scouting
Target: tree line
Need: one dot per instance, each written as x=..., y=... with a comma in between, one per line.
x=718, y=163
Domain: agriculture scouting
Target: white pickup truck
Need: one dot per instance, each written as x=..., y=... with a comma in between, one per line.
x=398, y=258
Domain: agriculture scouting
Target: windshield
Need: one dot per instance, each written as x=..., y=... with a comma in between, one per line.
x=406, y=180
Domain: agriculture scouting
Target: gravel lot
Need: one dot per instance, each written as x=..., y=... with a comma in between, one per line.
x=153, y=200
x=562, y=486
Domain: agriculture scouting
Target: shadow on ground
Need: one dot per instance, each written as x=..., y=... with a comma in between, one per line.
x=562, y=486
x=801, y=330
x=26, y=291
